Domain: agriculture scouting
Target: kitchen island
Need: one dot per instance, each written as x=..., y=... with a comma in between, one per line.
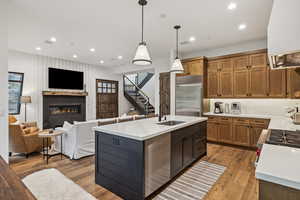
x=134, y=159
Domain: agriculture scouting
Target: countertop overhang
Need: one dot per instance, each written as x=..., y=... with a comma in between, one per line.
x=147, y=128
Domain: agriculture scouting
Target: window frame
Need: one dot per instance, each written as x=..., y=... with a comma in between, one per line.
x=22, y=83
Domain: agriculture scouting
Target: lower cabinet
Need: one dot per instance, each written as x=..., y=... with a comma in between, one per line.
x=187, y=145
x=212, y=131
x=255, y=132
x=241, y=134
x=237, y=131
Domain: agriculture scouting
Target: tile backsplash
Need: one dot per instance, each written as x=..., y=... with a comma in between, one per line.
x=260, y=106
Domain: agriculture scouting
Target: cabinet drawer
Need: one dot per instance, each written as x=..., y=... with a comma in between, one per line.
x=225, y=119
x=213, y=119
x=259, y=122
x=241, y=121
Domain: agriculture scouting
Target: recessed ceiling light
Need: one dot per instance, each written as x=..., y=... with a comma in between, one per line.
x=231, y=6
x=92, y=49
x=192, y=39
x=53, y=39
x=242, y=27
x=38, y=48
x=101, y=61
x=75, y=56
x=120, y=57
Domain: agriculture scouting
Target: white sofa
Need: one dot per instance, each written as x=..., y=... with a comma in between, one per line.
x=79, y=139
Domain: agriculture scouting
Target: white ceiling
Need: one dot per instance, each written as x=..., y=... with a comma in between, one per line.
x=113, y=27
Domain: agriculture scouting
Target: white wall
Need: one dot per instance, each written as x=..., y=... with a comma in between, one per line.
x=284, y=27
x=3, y=81
x=35, y=68
x=274, y=107
x=230, y=49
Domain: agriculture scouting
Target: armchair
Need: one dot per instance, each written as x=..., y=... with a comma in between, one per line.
x=22, y=142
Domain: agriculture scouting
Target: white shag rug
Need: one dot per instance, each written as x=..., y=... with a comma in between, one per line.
x=50, y=184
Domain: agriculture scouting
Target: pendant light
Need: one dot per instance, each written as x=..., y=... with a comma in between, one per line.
x=142, y=56
x=177, y=65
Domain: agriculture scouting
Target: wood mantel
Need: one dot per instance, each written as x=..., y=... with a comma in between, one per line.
x=64, y=93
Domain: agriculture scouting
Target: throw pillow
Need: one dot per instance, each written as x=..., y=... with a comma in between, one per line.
x=12, y=119
x=26, y=130
x=67, y=126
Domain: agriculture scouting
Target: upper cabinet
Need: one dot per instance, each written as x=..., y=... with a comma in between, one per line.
x=293, y=83
x=193, y=66
x=241, y=76
x=220, y=78
x=277, y=84
x=258, y=69
x=248, y=75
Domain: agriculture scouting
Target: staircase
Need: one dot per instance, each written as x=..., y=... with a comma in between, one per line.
x=135, y=95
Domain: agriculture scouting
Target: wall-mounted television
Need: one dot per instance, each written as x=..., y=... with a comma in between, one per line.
x=65, y=79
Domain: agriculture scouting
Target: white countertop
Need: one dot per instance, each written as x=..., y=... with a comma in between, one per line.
x=147, y=128
x=276, y=122
x=280, y=165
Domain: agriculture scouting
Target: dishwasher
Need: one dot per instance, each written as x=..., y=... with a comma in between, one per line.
x=157, y=162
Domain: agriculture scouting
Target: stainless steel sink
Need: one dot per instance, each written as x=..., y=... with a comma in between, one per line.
x=171, y=123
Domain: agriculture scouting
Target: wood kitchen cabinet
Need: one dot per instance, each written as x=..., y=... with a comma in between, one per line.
x=235, y=130
x=225, y=129
x=241, y=132
x=212, y=79
x=250, y=75
x=225, y=78
x=194, y=66
x=258, y=75
x=247, y=75
x=219, y=129
x=277, y=83
x=256, y=127
x=220, y=78
x=212, y=129
x=293, y=82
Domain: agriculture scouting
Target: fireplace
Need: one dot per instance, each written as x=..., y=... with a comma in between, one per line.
x=60, y=108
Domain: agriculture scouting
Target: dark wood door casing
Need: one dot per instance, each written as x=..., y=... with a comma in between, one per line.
x=164, y=93
x=107, y=98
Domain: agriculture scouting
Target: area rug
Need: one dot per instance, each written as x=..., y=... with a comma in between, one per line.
x=194, y=184
x=50, y=184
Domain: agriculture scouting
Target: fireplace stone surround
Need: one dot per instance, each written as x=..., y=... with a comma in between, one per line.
x=65, y=107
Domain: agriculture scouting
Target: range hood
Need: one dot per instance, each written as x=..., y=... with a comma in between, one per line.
x=284, y=34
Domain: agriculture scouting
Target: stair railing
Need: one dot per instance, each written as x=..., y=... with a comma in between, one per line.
x=137, y=90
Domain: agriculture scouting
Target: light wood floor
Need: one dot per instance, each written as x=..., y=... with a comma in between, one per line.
x=237, y=183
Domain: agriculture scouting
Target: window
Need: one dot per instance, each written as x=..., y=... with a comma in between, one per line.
x=15, y=87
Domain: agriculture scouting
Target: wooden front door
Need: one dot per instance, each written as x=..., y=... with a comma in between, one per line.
x=106, y=98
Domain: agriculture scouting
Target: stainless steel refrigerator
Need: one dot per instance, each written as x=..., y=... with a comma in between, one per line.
x=189, y=95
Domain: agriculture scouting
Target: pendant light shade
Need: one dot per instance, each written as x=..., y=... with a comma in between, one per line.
x=177, y=65
x=142, y=56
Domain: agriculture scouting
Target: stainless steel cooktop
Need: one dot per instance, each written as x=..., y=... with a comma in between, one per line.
x=284, y=138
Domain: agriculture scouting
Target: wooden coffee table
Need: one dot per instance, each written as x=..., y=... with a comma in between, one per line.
x=46, y=135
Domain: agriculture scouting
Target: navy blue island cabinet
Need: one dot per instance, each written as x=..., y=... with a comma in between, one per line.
x=137, y=169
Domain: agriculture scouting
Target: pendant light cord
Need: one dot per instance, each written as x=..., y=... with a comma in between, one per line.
x=176, y=43
x=142, y=24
